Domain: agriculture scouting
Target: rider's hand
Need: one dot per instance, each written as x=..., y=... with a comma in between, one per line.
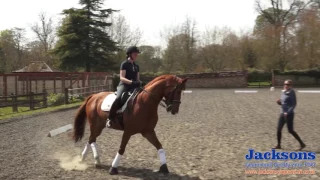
x=135, y=83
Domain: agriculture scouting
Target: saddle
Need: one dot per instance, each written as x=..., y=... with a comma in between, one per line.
x=125, y=98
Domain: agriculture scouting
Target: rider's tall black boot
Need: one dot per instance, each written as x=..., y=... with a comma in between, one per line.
x=114, y=108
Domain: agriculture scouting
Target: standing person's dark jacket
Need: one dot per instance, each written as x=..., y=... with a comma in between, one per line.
x=288, y=101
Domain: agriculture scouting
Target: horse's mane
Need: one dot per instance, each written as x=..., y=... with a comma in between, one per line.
x=166, y=77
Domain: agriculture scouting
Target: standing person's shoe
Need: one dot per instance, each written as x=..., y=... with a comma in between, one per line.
x=302, y=146
x=277, y=147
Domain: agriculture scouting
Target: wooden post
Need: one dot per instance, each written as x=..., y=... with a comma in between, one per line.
x=273, y=78
x=54, y=84
x=27, y=86
x=14, y=103
x=66, y=96
x=36, y=85
x=31, y=101
x=44, y=82
x=63, y=85
x=88, y=89
x=5, y=86
x=16, y=84
x=45, y=100
x=83, y=84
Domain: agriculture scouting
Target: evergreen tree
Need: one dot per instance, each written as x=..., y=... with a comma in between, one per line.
x=83, y=40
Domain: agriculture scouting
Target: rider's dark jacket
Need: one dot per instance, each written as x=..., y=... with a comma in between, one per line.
x=132, y=70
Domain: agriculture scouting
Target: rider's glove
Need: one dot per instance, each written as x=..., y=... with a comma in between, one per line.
x=136, y=83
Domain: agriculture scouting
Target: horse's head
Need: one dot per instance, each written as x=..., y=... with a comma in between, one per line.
x=172, y=94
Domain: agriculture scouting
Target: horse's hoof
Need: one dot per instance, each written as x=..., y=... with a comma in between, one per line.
x=164, y=169
x=113, y=171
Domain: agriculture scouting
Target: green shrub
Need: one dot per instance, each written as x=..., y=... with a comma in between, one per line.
x=73, y=98
x=55, y=99
x=58, y=99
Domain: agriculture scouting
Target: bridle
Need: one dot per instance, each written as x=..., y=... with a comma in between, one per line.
x=170, y=101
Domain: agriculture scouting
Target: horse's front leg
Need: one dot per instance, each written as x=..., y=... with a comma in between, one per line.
x=152, y=138
x=124, y=141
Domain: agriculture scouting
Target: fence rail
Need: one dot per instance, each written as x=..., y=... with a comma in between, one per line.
x=45, y=99
x=84, y=91
x=28, y=100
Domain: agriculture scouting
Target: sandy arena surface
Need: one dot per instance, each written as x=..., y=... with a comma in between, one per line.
x=208, y=139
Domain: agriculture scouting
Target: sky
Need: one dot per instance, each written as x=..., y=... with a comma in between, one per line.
x=149, y=15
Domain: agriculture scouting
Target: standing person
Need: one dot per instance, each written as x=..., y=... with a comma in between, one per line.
x=129, y=78
x=288, y=102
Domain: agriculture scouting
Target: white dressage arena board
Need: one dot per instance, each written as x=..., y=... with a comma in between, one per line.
x=107, y=102
x=244, y=91
x=60, y=130
x=309, y=91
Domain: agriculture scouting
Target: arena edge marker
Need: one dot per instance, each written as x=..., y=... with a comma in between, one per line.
x=309, y=91
x=60, y=130
x=187, y=91
x=237, y=91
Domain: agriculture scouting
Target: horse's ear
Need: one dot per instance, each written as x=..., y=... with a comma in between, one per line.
x=184, y=80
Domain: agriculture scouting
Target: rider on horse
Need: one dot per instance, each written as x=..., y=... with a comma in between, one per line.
x=129, y=78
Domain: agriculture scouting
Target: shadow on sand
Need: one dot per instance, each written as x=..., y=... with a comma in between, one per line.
x=146, y=173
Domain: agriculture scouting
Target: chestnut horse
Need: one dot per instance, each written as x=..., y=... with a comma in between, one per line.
x=140, y=116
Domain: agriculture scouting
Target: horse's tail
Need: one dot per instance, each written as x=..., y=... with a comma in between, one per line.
x=80, y=121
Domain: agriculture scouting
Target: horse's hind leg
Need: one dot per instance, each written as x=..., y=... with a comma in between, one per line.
x=85, y=152
x=95, y=131
x=152, y=138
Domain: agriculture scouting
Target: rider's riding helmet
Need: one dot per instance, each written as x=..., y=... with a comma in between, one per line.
x=132, y=49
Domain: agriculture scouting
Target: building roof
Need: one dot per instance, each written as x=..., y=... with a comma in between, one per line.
x=36, y=66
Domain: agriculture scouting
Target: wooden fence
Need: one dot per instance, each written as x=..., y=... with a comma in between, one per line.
x=31, y=100
x=52, y=82
x=34, y=101
x=85, y=91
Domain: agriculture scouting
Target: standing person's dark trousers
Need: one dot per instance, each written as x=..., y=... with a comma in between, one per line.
x=289, y=120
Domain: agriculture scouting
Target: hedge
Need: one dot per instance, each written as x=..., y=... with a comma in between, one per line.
x=307, y=72
x=259, y=76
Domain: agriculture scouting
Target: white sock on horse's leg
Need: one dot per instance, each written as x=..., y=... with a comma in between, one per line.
x=162, y=156
x=95, y=152
x=116, y=161
x=85, y=151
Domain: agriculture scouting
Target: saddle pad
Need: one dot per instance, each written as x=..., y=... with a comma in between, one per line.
x=107, y=102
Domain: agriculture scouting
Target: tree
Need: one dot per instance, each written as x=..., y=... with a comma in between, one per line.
x=122, y=34
x=44, y=31
x=12, y=49
x=83, y=42
x=181, y=47
x=280, y=19
x=307, y=40
x=149, y=59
